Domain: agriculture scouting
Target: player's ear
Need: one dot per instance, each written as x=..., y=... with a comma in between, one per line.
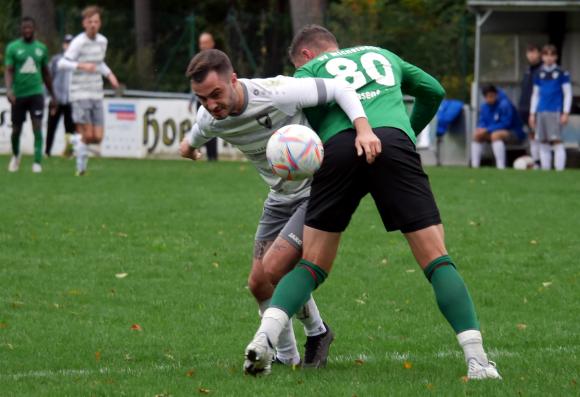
x=307, y=54
x=234, y=78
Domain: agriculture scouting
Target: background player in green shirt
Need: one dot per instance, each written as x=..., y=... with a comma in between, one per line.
x=26, y=62
x=394, y=177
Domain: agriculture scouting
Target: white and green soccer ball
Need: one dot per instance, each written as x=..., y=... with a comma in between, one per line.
x=294, y=152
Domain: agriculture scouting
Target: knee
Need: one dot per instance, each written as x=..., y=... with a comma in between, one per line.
x=276, y=266
x=260, y=288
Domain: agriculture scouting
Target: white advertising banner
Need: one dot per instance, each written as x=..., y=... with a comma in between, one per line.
x=134, y=128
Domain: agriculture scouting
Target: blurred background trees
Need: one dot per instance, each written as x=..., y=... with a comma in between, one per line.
x=150, y=42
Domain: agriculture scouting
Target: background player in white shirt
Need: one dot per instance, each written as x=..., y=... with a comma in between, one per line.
x=86, y=57
x=245, y=113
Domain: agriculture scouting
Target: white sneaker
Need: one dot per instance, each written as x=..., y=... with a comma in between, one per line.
x=475, y=370
x=36, y=168
x=14, y=164
x=259, y=355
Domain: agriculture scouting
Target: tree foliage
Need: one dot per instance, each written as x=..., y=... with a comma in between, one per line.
x=436, y=35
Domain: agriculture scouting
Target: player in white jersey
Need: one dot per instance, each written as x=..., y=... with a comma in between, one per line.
x=245, y=113
x=86, y=57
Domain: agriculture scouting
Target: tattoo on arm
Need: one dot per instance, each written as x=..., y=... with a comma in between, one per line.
x=260, y=247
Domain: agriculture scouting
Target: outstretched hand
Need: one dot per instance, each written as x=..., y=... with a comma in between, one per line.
x=188, y=152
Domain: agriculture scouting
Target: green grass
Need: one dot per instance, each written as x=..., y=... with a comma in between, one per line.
x=183, y=233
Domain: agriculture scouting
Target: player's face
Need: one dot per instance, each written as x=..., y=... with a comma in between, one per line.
x=92, y=25
x=27, y=30
x=549, y=58
x=533, y=56
x=217, y=94
x=490, y=98
x=206, y=42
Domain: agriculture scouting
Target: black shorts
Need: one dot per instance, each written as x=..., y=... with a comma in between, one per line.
x=33, y=104
x=395, y=180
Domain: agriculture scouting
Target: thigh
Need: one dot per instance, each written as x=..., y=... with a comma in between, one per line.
x=97, y=114
x=275, y=215
x=399, y=186
x=548, y=127
x=36, y=108
x=18, y=112
x=338, y=186
x=81, y=112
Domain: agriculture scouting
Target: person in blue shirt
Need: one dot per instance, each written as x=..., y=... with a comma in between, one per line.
x=550, y=107
x=534, y=57
x=498, y=123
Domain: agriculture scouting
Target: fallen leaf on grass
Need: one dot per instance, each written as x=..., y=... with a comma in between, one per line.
x=429, y=386
x=411, y=270
x=3, y=325
x=359, y=361
x=136, y=327
x=533, y=242
x=407, y=365
x=121, y=234
x=190, y=373
x=203, y=390
x=525, y=300
x=521, y=326
x=17, y=304
x=121, y=275
x=97, y=356
x=384, y=261
x=464, y=379
x=547, y=284
x=215, y=264
x=360, y=301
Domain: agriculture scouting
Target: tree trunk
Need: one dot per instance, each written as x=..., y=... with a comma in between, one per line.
x=305, y=12
x=143, y=40
x=43, y=13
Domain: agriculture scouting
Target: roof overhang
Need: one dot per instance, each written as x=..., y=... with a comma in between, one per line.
x=481, y=6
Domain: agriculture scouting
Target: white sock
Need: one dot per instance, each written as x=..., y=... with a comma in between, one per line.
x=286, y=350
x=273, y=322
x=559, y=156
x=309, y=316
x=472, y=344
x=498, y=148
x=476, y=149
x=81, y=152
x=546, y=156
x=535, y=150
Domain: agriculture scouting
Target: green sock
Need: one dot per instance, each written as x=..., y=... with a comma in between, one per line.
x=451, y=293
x=15, y=138
x=37, y=146
x=295, y=288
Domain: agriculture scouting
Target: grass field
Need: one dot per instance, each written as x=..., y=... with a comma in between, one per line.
x=131, y=282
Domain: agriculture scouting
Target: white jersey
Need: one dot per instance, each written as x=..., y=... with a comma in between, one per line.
x=270, y=104
x=82, y=49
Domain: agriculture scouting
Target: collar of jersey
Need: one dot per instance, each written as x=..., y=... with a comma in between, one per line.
x=245, y=105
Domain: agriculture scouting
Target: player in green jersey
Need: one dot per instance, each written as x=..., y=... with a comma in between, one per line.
x=26, y=62
x=394, y=177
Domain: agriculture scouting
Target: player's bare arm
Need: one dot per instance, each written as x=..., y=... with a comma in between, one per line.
x=8, y=79
x=47, y=78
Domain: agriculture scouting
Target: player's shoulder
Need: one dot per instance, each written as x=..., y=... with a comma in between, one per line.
x=101, y=39
x=13, y=44
x=204, y=119
x=263, y=89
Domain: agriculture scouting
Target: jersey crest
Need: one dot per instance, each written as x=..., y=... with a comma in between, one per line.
x=29, y=67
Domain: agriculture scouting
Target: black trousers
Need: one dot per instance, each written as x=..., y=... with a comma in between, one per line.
x=53, y=119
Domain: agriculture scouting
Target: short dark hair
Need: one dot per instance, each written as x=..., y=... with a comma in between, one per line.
x=208, y=61
x=89, y=11
x=312, y=36
x=486, y=89
x=27, y=19
x=549, y=49
x=533, y=47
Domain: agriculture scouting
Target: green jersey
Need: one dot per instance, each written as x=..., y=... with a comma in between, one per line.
x=27, y=60
x=380, y=79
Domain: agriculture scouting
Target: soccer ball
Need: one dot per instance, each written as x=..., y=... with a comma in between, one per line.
x=294, y=152
x=524, y=163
